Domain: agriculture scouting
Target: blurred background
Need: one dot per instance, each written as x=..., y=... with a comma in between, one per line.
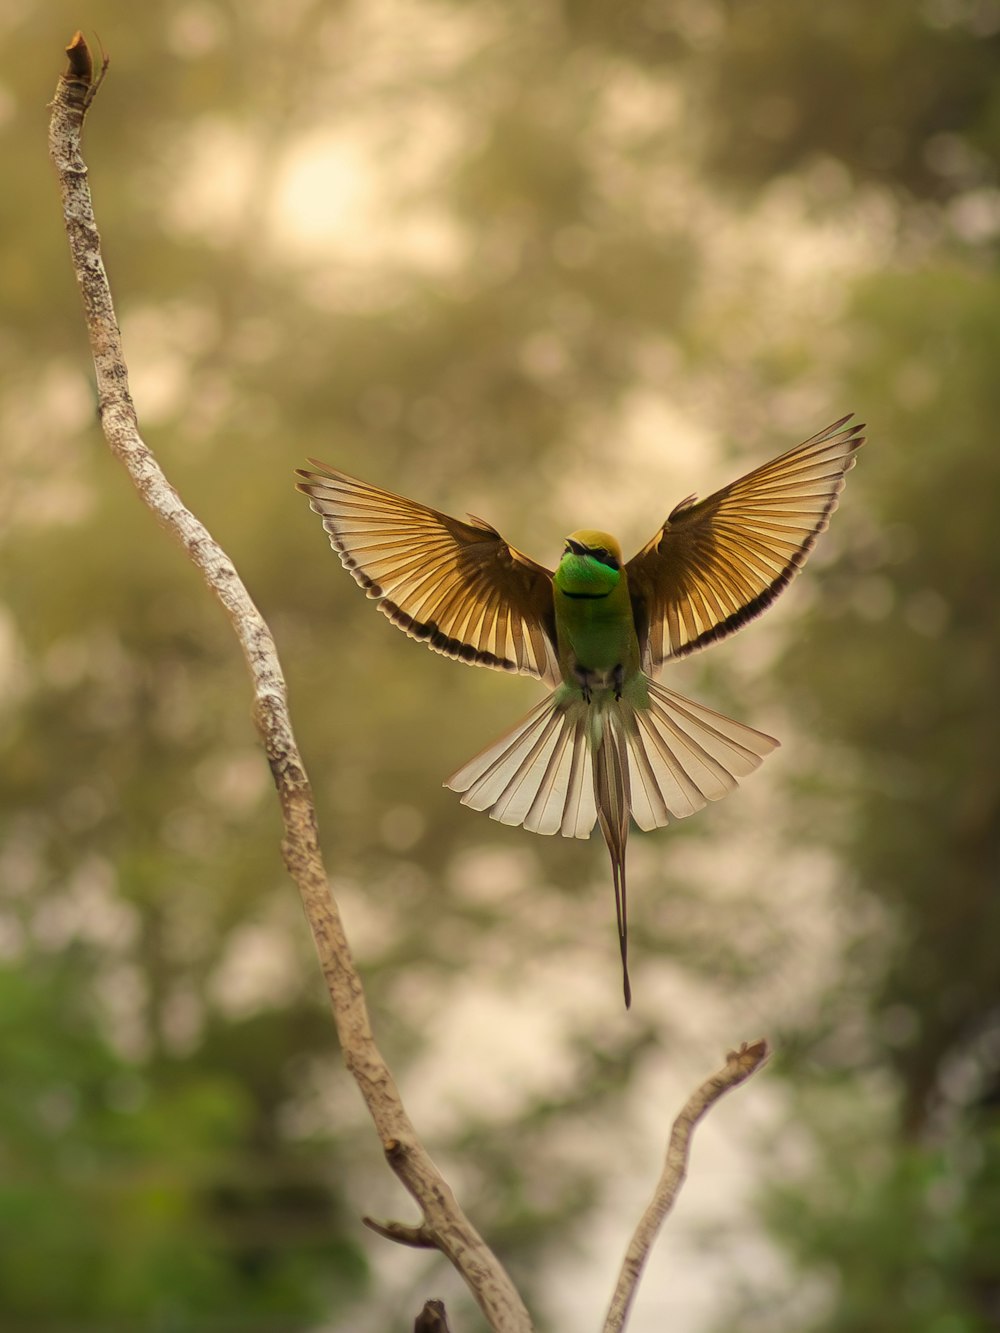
x=559, y=264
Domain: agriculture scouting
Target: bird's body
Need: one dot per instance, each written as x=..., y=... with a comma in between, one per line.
x=595, y=627
x=609, y=743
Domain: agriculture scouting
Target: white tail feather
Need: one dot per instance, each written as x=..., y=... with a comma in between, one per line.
x=539, y=775
x=683, y=755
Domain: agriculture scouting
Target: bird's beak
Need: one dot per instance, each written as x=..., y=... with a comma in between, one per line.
x=577, y=548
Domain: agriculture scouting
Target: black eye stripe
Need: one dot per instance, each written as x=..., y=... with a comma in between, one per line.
x=599, y=553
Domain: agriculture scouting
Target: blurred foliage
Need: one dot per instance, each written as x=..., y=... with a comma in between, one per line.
x=896, y=94
x=554, y=223
x=895, y=671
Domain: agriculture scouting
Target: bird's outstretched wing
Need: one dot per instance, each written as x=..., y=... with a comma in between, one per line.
x=458, y=587
x=717, y=563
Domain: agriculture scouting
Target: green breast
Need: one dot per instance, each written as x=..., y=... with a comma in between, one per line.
x=593, y=616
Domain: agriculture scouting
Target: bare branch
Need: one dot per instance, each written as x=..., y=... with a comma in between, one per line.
x=444, y=1220
x=738, y=1067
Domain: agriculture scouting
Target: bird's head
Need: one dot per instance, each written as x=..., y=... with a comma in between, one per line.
x=599, y=546
x=591, y=563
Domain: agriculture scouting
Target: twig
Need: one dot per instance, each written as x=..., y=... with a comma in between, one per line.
x=418, y=1238
x=739, y=1066
x=444, y=1220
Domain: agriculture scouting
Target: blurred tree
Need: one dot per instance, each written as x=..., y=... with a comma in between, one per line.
x=902, y=1206
x=471, y=252
x=898, y=1078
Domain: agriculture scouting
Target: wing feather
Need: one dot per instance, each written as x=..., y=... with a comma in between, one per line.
x=717, y=563
x=456, y=586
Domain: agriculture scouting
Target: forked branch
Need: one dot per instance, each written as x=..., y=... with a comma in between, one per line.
x=443, y=1219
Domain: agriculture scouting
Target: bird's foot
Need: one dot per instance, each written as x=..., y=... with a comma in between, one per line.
x=618, y=680
x=583, y=677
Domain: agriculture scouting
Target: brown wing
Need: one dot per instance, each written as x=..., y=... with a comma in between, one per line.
x=458, y=587
x=716, y=564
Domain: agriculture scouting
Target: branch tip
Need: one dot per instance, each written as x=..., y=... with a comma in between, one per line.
x=81, y=62
x=750, y=1056
x=80, y=71
x=432, y=1318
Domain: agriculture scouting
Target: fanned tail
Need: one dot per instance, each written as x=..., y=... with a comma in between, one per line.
x=651, y=755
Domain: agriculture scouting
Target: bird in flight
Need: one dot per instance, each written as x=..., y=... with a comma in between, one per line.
x=608, y=743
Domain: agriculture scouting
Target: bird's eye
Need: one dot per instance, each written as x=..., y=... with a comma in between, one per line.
x=605, y=557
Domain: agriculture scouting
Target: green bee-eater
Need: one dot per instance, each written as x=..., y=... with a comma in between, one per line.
x=608, y=742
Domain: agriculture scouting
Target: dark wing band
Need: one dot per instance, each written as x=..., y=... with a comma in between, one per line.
x=716, y=564
x=458, y=587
